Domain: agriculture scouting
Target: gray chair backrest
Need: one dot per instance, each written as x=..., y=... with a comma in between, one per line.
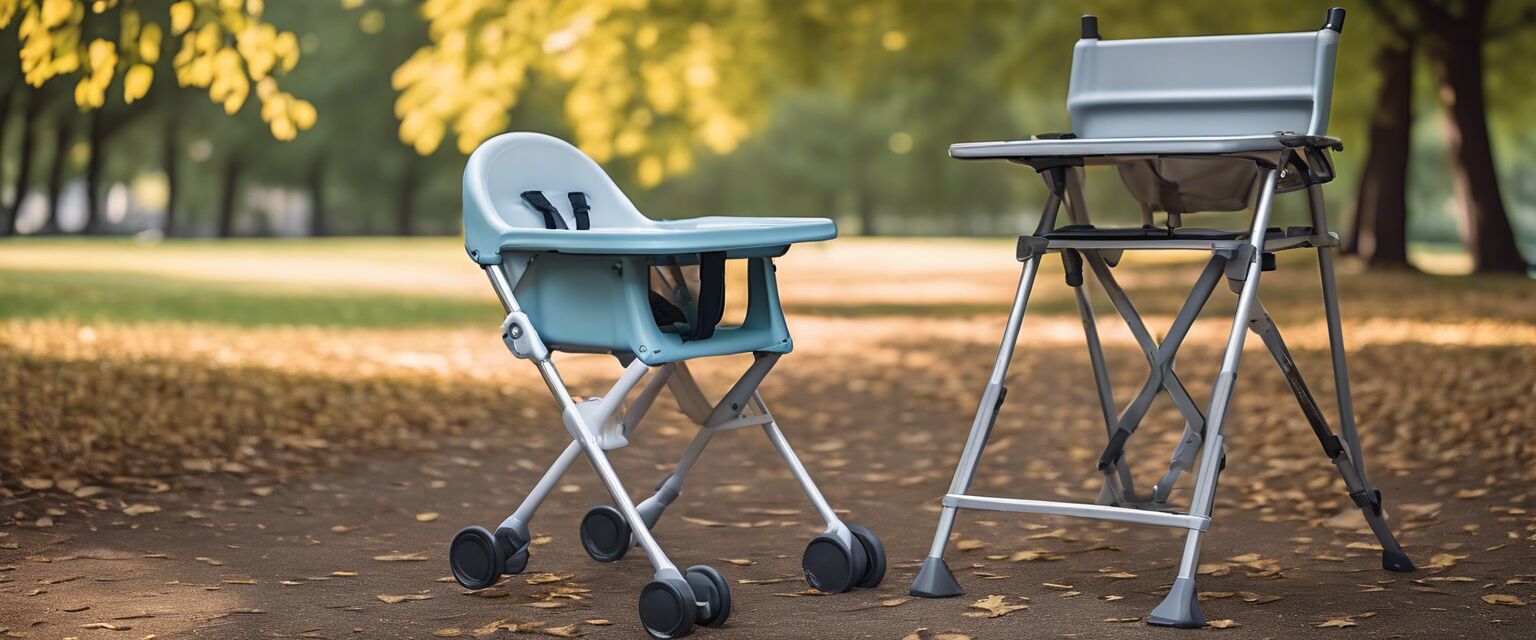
x=1203, y=86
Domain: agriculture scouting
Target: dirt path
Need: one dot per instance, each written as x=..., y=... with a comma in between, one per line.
x=264, y=554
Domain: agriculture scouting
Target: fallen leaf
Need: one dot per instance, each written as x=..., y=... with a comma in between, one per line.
x=140, y=509
x=428, y=516
x=105, y=625
x=892, y=602
x=388, y=599
x=1504, y=599
x=598, y=622
x=547, y=578
x=992, y=607
x=401, y=557
x=1443, y=560
x=450, y=632
x=971, y=544
x=1118, y=575
x=1336, y=623
x=1221, y=624
x=740, y=562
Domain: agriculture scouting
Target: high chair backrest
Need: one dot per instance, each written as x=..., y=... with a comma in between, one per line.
x=509, y=165
x=1203, y=86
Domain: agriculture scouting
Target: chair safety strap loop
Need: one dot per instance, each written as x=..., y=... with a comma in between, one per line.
x=581, y=208
x=552, y=219
x=709, y=304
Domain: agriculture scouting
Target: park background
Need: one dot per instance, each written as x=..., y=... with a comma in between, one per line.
x=249, y=381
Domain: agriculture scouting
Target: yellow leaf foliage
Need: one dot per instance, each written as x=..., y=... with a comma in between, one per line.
x=225, y=48
x=649, y=82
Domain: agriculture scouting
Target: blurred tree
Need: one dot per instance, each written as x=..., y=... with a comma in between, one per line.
x=1455, y=34
x=1380, y=224
x=648, y=82
x=226, y=48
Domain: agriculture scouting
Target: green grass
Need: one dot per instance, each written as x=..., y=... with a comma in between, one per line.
x=113, y=297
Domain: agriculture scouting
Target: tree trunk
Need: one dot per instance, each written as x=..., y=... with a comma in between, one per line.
x=227, y=193
x=93, y=166
x=865, y=208
x=63, y=134
x=24, y=170
x=406, y=204
x=1381, y=205
x=170, y=156
x=6, y=100
x=1485, y=228
x=318, y=224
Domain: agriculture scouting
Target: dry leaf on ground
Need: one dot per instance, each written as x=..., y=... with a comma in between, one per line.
x=992, y=607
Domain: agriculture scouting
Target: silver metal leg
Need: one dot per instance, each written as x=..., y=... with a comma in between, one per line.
x=1112, y=493
x=1161, y=378
x=796, y=468
x=1180, y=607
x=935, y=579
x=742, y=406
x=1392, y=557
x=587, y=438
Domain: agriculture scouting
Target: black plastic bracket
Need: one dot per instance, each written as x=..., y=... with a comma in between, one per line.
x=1335, y=20
x=1091, y=25
x=1029, y=247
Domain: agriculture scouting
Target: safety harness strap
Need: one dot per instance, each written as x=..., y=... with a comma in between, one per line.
x=580, y=207
x=552, y=219
x=709, y=304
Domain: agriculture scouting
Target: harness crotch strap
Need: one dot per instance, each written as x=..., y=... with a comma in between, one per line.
x=538, y=202
x=580, y=207
x=709, y=303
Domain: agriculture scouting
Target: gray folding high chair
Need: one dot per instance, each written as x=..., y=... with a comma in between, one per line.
x=1191, y=124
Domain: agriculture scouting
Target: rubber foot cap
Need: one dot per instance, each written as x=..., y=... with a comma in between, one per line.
x=1396, y=561
x=1179, y=608
x=935, y=580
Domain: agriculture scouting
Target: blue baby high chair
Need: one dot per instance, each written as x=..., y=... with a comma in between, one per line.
x=579, y=269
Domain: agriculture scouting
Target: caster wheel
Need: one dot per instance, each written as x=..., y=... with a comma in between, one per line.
x=508, y=540
x=605, y=534
x=874, y=551
x=667, y=608
x=710, y=587
x=832, y=566
x=475, y=559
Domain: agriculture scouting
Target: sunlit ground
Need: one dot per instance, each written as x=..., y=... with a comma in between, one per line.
x=159, y=375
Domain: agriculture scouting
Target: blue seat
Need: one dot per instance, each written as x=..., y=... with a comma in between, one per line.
x=589, y=290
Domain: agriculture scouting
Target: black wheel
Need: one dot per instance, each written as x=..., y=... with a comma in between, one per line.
x=475, y=559
x=831, y=565
x=667, y=608
x=514, y=550
x=605, y=534
x=710, y=587
x=874, y=551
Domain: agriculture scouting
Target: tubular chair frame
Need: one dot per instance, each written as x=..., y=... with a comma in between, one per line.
x=1283, y=162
